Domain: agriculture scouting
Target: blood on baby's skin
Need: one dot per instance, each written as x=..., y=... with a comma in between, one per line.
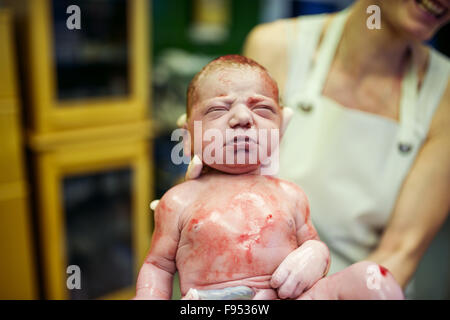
x=224, y=78
x=273, y=180
x=272, y=198
x=164, y=206
x=239, y=248
x=227, y=237
x=193, y=223
x=306, y=213
x=253, y=100
x=383, y=270
x=238, y=59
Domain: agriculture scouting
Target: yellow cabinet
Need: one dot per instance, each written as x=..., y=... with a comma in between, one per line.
x=11, y=144
x=94, y=214
x=63, y=95
x=17, y=266
x=17, y=263
x=7, y=62
x=87, y=102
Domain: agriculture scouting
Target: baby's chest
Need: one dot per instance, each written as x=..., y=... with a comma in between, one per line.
x=244, y=219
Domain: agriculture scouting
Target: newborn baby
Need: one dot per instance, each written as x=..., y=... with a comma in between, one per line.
x=234, y=230
x=234, y=227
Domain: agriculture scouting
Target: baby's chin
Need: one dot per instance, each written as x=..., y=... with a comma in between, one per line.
x=236, y=168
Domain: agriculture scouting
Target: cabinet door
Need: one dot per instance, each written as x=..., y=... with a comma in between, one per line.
x=97, y=213
x=7, y=62
x=94, y=218
x=93, y=61
x=17, y=264
x=11, y=165
x=93, y=76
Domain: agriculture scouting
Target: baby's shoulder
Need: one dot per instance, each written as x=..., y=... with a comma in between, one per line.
x=177, y=198
x=290, y=189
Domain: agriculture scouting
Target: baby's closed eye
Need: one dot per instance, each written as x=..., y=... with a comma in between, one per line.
x=264, y=111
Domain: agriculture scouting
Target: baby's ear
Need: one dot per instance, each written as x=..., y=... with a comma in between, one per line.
x=287, y=114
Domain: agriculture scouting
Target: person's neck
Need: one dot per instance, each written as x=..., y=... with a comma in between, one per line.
x=362, y=51
x=207, y=170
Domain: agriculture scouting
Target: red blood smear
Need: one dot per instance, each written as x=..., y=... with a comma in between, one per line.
x=274, y=180
x=193, y=223
x=307, y=212
x=238, y=59
x=383, y=270
x=253, y=100
x=243, y=237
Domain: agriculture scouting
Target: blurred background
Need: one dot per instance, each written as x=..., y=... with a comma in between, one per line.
x=86, y=117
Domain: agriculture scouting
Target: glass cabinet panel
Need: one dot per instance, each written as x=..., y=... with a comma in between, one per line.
x=98, y=225
x=91, y=62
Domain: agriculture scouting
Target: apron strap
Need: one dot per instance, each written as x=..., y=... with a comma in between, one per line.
x=417, y=108
x=326, y=53
x=301, y=49
x=408, y=107
x=433, y=88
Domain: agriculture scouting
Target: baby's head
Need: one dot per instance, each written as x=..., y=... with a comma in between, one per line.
x=237, y=103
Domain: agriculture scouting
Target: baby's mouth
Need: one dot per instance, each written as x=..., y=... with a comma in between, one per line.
x=433, y=7
x=241, y=142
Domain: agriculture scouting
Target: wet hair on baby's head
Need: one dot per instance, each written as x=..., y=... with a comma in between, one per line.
x=232, y=60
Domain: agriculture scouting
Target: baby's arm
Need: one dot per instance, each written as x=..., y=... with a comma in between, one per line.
x=156, y=275
x=303, y=267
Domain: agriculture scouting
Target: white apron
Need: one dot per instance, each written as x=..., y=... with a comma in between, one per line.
x=350, y=163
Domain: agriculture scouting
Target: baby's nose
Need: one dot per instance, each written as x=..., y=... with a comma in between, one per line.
x=241, y=116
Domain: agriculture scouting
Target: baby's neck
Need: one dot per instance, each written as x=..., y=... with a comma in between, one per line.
x=211, y=171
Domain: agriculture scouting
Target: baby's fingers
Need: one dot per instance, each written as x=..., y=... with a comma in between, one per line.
x=290, y=287
x=279, y=276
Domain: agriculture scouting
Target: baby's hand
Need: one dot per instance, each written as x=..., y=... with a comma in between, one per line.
x=301, y=269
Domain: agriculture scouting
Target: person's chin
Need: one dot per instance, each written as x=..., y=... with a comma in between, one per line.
x=421, y=24
x=235, y=168
x=419, y=32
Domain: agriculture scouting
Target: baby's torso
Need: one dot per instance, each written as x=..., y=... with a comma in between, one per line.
x=235, y=232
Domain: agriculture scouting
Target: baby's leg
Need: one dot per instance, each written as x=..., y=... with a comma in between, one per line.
x=361, y=281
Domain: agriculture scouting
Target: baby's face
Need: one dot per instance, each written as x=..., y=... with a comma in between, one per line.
x=238, y=103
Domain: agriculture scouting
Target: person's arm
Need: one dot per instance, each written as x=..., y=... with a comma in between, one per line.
x=423, y=203
x=156, y=275
x=303, y=267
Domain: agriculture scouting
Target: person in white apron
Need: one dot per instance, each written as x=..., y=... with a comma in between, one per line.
x=353, y=164
x=350, y=163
